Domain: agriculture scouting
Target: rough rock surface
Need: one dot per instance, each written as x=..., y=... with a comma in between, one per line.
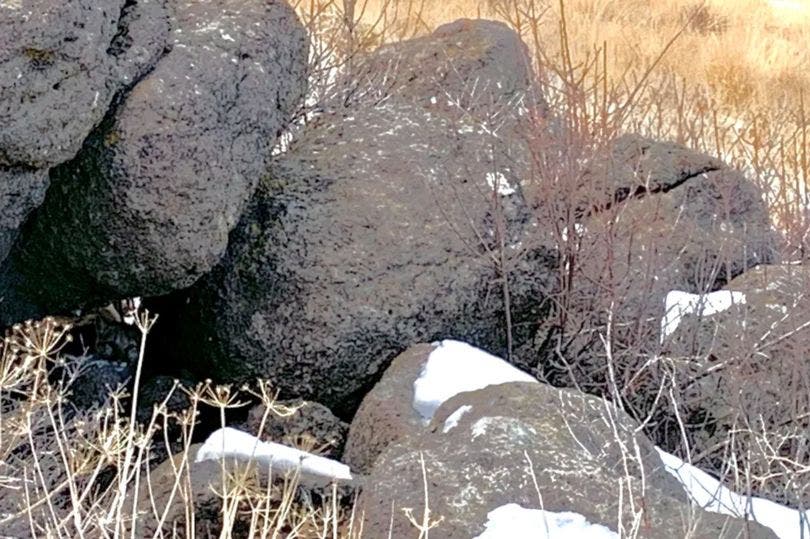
x=159, y=391
x=637, y=165
x=61, y=64
x=96, y=379
x=688, y=230
x=469, y=66
x=386, y=413
x=746, y=380
x=519, y=438
x=179, y=484
x=308, y=424
x=378, y=229
x=21, y=190
x=201, y=482
x=147, y=205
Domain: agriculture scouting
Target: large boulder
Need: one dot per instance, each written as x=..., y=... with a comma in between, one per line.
x=538, y=447
x=382, y=225
x=95, y=381
x=739, y=369
x=402, y=403
x=61, y=64
x=193, y=491
x=386, y=413
x=465, y=66
x=147, y=205
x=635, y=166
x=677, y=220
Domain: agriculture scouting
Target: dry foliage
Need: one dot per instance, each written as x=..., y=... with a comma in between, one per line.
x=701, y=74
x=72, y=473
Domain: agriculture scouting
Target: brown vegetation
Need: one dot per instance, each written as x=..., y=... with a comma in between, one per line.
x=700, y=74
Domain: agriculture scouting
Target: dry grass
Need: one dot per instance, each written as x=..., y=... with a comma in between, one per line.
x=68, y=473
x=748, y=52
x=732, y=84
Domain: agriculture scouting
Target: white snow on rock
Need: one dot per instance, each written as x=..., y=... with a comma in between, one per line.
x=679, y=304
x=454, y=367
x=452, y=420
x=498, y=182
x=511, y=521
x=232, y=443
x=708, y=493
x=479, y=428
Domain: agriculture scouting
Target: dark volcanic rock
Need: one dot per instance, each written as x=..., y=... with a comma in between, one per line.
x=301, y=424
x=54, y=75
x=141, y=39
x=675, y=228
x=387, y=413
x=147, y=205
x=163, y=393
x=466, y=66
x=538, y=447
x=379, y=228
x=21, y=190
x=195, y=509
x=61, y=63
x=394, y=409
x=97, y=378
x=638, y=165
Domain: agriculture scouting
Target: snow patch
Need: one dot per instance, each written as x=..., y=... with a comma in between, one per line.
x=678, y=304
x=512, y=521
x=452, y=420
x=479, y=428
x=708, y=493
x=498, y=182
x=454, y=367
x=232, y=443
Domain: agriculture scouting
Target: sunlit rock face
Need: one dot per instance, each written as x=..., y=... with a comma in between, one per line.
x=377, y=229
x=518, y=439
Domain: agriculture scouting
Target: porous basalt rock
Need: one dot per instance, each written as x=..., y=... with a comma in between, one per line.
x=147, y=205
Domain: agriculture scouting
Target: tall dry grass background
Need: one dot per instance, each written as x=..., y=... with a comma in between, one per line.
x=730, y=78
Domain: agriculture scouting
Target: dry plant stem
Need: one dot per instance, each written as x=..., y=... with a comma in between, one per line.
x=425, y=524
x=533, y=475
x=180, y=472
x=72, y=487
x=600, y=97
x=144, y=324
